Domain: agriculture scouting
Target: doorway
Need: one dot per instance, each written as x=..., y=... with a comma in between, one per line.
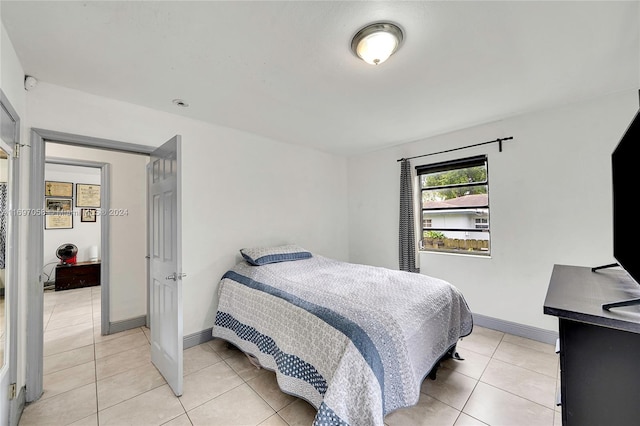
x=39, y=139
x=72, y=256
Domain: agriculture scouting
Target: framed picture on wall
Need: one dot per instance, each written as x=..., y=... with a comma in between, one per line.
x=58, y=205
x=58, y=221
x=87, y=215
x=87, y=195
x=58, y=189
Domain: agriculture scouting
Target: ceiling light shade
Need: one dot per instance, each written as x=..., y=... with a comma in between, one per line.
x=376, y=42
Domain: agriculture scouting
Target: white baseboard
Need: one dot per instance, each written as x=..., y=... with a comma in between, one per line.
x=128, y=324
x=197, y=338
x=527, y=331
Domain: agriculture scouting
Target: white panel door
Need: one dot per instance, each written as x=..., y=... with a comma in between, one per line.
x=165, y=262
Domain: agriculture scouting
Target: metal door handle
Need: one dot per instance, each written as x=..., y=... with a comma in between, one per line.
x=176, y=276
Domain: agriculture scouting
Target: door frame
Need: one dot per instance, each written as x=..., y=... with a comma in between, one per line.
x=11, y=303
x=35, y=294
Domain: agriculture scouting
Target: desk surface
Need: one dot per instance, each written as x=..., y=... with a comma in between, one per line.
x=87, y=262
x=576, y=293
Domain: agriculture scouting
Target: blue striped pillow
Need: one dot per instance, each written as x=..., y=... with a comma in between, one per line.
x=264, y=255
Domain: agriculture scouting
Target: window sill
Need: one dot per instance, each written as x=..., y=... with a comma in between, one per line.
x=449, y=253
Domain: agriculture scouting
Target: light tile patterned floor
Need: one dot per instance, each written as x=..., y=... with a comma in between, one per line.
x=109, y=380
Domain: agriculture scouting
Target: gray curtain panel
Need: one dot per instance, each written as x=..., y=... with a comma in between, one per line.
x=407, y=254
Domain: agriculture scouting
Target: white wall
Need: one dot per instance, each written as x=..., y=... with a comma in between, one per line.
x=550, y=201
x=127, y=237
x=238, y=189
x=83, y=234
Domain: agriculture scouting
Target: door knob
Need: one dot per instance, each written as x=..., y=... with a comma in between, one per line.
x=176, y=276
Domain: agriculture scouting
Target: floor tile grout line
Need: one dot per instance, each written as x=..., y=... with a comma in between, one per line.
x=462, y=350
x=68, y=368
x=173, y=418
x=496, y=348
x=124, y=350
x=496, y=387
x=468, y=398
x=121, y=372
x=207, y=366
x=95, y=360
x=474, y=418
x=449, y=405
x=551, y=347
x=69, y=390
x=515, y=394
x=244, y=382
x=525, y=368
x=507, y=391
x=185, y=410
x=107, y=338
x=215, y=397
x=498, y=359
x=537, y=352
x=133, y=396
x=261, y=397
x=60, y=353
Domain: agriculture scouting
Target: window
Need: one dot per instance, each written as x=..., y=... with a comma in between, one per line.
x=455, y=206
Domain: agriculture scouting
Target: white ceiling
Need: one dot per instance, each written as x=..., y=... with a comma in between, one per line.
x=284, y=69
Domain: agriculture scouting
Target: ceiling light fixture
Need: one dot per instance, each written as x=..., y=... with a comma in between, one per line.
x=376, y=42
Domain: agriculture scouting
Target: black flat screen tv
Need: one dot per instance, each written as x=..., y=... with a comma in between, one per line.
x=625, y=173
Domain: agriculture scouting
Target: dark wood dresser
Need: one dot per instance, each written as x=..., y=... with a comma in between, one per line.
x=599, y=349
x=81, y=274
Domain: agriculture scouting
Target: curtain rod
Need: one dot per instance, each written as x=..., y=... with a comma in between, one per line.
x=499, y=141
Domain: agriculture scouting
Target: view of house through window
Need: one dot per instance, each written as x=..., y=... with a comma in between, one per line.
x=455, y=206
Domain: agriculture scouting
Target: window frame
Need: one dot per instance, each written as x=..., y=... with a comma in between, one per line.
x=481, y=223
x=451, y=165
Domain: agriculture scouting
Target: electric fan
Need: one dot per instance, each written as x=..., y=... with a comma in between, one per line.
x=67, y=254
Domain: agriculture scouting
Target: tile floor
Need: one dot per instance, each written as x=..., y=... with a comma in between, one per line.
x=109, y=380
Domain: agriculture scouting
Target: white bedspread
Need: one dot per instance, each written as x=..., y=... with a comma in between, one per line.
x=355, y=341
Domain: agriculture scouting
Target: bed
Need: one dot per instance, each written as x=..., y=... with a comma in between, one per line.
x=355, y=341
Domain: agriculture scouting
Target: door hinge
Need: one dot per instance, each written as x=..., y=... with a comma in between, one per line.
x=16, y=151
x=12, y=391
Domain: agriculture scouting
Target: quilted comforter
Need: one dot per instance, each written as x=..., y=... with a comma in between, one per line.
x=355, y=341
